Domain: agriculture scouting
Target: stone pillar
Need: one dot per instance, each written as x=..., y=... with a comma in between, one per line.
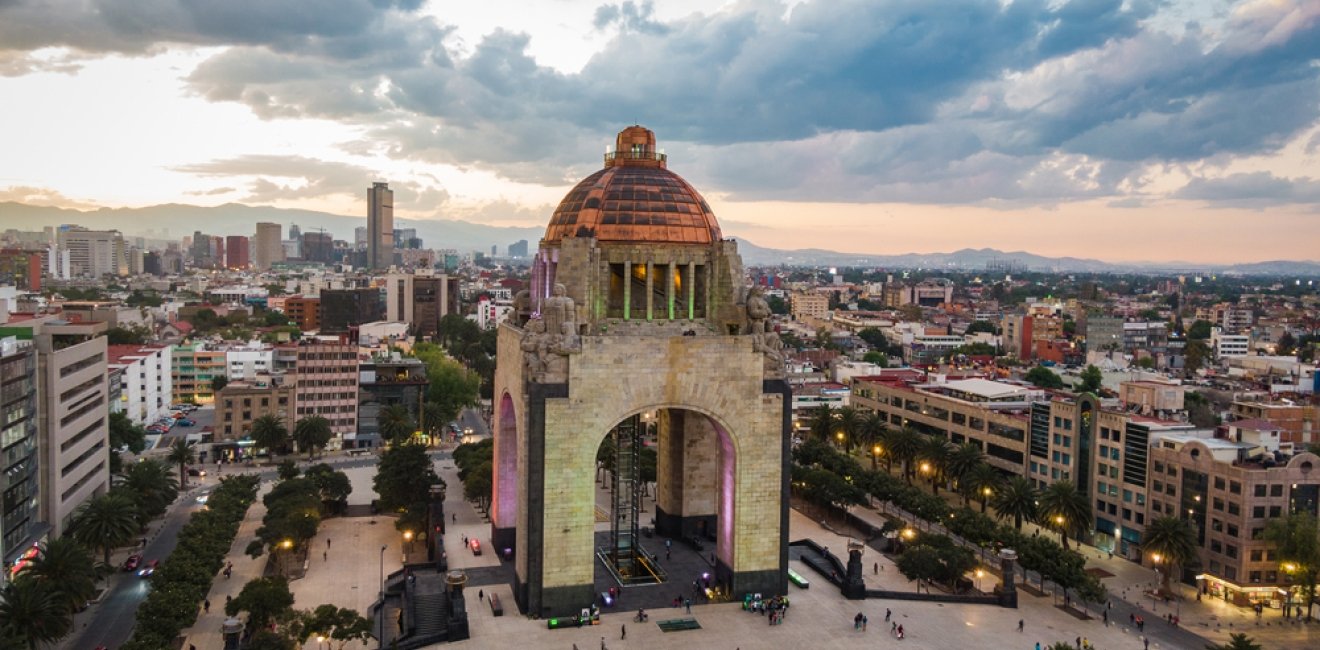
x=627, y=290
x=1007, y=565
x=650, y=290
x=687, y=473
x=669, y=289
x=692, y=289
x=854, y=586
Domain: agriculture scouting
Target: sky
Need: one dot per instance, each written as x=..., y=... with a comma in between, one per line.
x=1123, y=130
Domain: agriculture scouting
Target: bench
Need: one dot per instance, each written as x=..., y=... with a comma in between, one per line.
x=679, y=624
x=797, y=579
x=495, y=607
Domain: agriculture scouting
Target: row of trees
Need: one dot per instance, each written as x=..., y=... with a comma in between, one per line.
x=294, y=509
x=452, y=387
x=309, y=433
x=276, y=625
x=403, y=481
x=184, y=579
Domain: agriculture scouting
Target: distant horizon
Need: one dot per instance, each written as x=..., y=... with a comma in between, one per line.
x=729, y=232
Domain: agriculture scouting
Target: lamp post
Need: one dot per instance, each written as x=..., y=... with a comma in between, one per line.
x=1155, y=559
x=979, y=573
x=380, y=613
x=408, y=537
x=1288, y=568
x=285, y=545
x=839, y=437
x=875, y=457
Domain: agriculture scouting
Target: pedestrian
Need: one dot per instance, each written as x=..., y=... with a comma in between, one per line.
x=327, y=543
x=206, y=606
x=893, y=627
x=455, y=520
x=602, y=643
x=465, y=540
x=623, y=631
x=1079, y=643
x=687, y=603
x=666, y=553
x=857, y=621
x=1132, y=618
x=1021, y=623
x=1038, y=645
x=325, y=556
x=875, y=568
x=864, y=621
x=1106, y=618
x=1146, y=640
x=887, y=613
x=481, y=595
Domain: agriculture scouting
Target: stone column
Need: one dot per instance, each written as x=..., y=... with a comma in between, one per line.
x=692, y=289
x=627, y=290
x=669, y=289
x=650, y=290
x=1007, y=565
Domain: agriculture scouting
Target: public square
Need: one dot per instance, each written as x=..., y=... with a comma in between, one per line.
x=348, y=575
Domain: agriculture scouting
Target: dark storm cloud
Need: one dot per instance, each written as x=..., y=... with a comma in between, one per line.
x=964, y=100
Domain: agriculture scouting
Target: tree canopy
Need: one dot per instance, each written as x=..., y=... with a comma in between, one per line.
x=1044, y=378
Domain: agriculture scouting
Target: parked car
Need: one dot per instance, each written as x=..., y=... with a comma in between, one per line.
x=133, y=561
x=196, y=471
x=476, y=546
x=185, y=422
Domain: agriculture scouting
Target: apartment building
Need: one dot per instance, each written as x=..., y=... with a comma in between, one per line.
x=304, y=311
x=421, y=299
x=145, y=380
x=343, y=309
x=193, y=367
x=1230, y=345
x=20, y=521
x=1299, y=423
x=249, y=360
x=242, y=401
x=382, y=383
x=806, y=306
x=326, y=384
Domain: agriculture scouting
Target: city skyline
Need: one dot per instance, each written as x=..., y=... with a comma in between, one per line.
x=1108, y=130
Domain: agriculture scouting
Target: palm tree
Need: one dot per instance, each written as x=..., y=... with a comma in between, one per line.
x=396, y=423
x=1236, y=641
x=106, y=522
x=1016, y=499
x=151, y=486
x=822, y=422
x=312, y=432
x=434, y=424
x=68, y=571
x=847, y=422
x=961, y=461
x=181, y=452
x=1171, y=542
x=934, y=454
x=1064, y=508
x=872, y=432
x=269, y=432
x=32, y=613
x=981, y=482
x=903, y=445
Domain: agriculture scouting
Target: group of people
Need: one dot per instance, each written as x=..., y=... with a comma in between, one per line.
x=776, y=607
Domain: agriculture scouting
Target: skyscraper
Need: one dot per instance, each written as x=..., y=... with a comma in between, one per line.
x=380, y=226
x=268, y=245
x=236, y=252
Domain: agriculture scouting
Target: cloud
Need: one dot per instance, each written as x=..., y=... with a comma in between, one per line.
x=41, y=196
x=502, y=212
x=637, y=17
x=212, y=192
x=1256, y=189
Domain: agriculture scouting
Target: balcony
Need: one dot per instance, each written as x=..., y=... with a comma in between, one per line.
x=611, y=156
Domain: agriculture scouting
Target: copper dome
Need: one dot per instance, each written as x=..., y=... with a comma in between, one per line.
x=635, y=199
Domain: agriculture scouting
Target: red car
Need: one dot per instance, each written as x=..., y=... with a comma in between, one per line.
x=133, y=561
x=148, y=569
x=476, y=547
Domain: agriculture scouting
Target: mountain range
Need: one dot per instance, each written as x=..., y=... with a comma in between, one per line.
x=174, y=221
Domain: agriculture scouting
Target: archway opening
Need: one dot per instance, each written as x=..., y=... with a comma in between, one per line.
x=504, y=505
x=665, y=510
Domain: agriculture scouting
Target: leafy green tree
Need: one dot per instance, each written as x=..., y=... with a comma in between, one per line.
x=1200, y=330
x=871, y=434
x=452, y=387
x=1195, y=356
x=31, y=614
x=847, y=421
x=106, y=522
x=218, y=383
x=822, y=422
x=131, y=335
x=311, y=433
x=333, y=486
x=339, y=624
x=124, y=433
x=878, y=358
x=1092, y=378
x=1236, y=641
x=68, y=570
x=1044, y=378
x=1146, y=363
x=1297, y=540
x=269, y=432
x=1016, y=499
x=974, y=349
x=264, y=599
x=1174, y=541
x=1064, y=508
x=287, y=469
x=404, y=477
x=981, y=326
x=181, y=454
x=477, y=485
x=396, y=423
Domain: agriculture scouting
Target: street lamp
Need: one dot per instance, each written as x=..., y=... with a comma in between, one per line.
x=380, y=612
x=1288, y=568
x=320, y=641
x=839, y=436
x=979, y=573
x=408, y=537
x=1155, y=559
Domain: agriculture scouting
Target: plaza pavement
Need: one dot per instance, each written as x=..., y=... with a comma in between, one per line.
x=818, y=618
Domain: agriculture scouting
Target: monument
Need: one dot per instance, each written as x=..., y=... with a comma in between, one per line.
x=637, y=316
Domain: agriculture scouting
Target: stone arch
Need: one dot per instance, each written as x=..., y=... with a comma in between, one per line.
x=504, y=482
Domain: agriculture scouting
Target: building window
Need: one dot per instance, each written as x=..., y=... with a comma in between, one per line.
x=1255, y=555
x=1259, y=490
x=1258, y=512
x=1235, y=487
x=1219, y=482
x=1276, y=490
x=1253, y=577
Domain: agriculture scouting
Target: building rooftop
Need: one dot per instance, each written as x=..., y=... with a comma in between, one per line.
x=987, y=389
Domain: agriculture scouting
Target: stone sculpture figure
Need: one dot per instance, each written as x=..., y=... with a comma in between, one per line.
x=758, y=311
x=560, y=312
x=522, y=307
x=532, y=343
x=551, y=338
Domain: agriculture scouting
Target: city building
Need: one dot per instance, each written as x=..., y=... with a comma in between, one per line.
x=1299, y=423
x=145, y=380
x=242, y=401
x=74, y=459
x=318, y=247
x=20, y=521
x=325, y=379
x=304, y=311
x=248, y=360
x=267, y=245
x=21, y=268
x=94, y=253
x=1230, y=345
x=382, y=383
x=810, y=305
x=380, y=226
x=343, y=309
x=194, y=367
x=420, y=299
x=518, y=249
x=927, y=293
x=237, y=255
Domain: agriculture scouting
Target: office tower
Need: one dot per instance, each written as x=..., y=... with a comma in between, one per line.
x=19, y=476
x=518, y=248
x=94, y=252
x=268, y=245
x=237, y=255
x=342, y=309
x=318, y=247
x=380, y=226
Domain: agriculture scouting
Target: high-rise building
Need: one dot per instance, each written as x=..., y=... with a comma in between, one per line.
x=380, y=226
x=242, y=401
x=21, y=268
x=318, y=247
x=73, y=416
x=237, y=255
x=19, y=476
x=345, y=308
x=518, y=248
x=326, y=381
x=146, y=381
x=94, y=253
x=420, y=300
x=304, y=311
x=267, y=244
